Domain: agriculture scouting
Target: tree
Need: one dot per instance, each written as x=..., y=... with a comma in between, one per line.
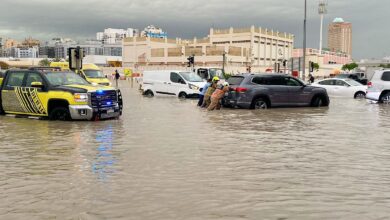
x=349, y=66
x=316, y=66
x=44, y=62
x=385, y=65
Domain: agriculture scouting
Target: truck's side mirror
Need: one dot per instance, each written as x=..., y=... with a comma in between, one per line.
x=38, y=85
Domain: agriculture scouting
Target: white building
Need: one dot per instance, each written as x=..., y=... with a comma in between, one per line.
x=114, y=36
x=32, y=52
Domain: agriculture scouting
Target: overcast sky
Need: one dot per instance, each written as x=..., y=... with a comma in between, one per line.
x=80, y=19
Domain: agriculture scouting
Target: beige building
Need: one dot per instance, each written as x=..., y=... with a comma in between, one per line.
x=10, y=43
x=340, y=36
x=255, y=47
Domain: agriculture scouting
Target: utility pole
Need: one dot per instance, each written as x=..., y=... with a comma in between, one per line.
x=322, y=10
x=304, y=43
x=223, y=61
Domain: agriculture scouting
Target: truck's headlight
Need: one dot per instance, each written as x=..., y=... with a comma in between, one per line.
x=81, y=97
x=194, y=87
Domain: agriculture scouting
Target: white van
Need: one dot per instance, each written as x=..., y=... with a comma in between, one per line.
x=177, y=83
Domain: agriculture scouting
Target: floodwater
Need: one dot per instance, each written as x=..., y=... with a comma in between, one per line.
x=167, y=159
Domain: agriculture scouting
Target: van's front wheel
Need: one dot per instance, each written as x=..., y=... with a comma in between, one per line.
x=149, y=93
x=182, y=95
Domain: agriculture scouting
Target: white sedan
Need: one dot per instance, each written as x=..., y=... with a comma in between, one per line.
x=342, y=87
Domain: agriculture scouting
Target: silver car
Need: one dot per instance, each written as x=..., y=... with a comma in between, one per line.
x=262, y=91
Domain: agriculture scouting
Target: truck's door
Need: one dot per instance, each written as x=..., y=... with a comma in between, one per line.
x=37, y=96
x=18, y=98
x=10, y=100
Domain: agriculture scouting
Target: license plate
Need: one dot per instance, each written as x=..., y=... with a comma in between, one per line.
x=110, y=111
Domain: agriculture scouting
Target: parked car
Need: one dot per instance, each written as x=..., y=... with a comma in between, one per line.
x=171, y=83
x=342, y=87
x=355, y=76
x=262, y=91
x=379, y=87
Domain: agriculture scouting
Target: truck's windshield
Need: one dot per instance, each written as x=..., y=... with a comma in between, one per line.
x=94, y=74
x=65, y=78
x=216, y=72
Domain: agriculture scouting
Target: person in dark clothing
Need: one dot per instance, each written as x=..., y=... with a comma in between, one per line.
x=117, y=76
x=204, y=89
x=311, y=78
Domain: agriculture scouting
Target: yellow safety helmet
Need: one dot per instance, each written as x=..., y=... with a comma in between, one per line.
x=215, y=78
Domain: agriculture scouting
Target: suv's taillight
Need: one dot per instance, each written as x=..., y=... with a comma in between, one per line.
x=241, y=89
x=369, y=84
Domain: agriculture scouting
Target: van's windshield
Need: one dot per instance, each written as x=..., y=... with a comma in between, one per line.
x=94, y=74
x=191, y=77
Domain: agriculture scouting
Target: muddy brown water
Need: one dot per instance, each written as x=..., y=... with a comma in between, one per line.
x=167, y=159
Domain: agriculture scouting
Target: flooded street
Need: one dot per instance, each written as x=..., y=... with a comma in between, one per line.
x=167, y=159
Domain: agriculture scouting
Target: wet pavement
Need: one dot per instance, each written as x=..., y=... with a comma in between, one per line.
x=167, y=159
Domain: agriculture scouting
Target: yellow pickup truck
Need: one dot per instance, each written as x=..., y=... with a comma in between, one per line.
x=57, y=95
x=89, y=72
x=1, y=77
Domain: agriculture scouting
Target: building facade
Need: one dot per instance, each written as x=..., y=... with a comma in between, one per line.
x=241, y=47
x=25, y=52
x=323, y=57
x=115, y=36
x=340, y=36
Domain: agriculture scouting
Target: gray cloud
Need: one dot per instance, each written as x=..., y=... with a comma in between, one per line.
x=45, y=19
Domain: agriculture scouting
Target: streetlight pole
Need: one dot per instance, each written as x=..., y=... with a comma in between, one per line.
x=304, y=43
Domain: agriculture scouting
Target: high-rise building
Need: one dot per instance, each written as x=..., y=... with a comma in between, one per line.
x=340, y=36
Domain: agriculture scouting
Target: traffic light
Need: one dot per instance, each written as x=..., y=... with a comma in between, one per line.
x=284, y=63
x=191, y=60
x=77, y=53
x=249, y=68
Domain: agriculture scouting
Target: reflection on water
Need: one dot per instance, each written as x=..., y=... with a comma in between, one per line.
x=167, y=159
x=102, y=165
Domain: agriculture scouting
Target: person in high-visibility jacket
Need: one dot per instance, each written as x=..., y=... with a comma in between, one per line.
x=217, y=95
x=209, y=92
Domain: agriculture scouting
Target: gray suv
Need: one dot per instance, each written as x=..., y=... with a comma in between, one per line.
x=262, y=91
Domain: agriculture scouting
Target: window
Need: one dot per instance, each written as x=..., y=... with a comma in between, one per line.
x=33, y=77
x=292, y=82
x=327, y=82
x=235, y=80
x=203, y=73
x=341, y=83
x=176, y=78
x=259, y=80
x=15, y=79
x=276, y=81
x=386, y=76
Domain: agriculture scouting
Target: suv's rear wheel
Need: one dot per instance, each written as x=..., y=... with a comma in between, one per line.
x=260, y=103
x=60, y=114
x=385, y=98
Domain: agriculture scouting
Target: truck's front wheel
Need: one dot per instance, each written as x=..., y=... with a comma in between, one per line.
x=60, y=114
